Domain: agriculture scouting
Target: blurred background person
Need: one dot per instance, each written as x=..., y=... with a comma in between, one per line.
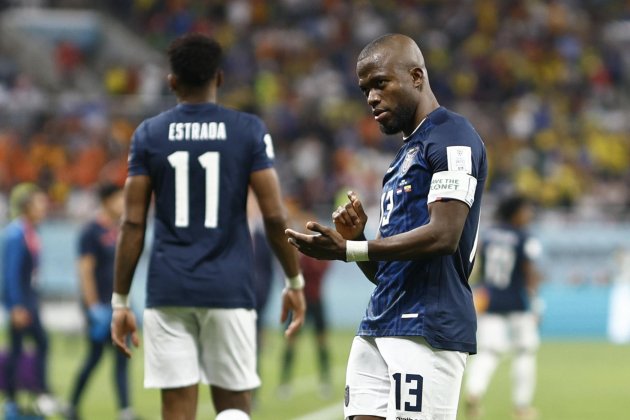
x=97, y=245
x=21, y=258
x=314, y=272
x=507, y=321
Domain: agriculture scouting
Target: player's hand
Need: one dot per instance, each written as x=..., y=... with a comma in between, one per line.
x=350, y=220
x=20, y=317
x=123, y=325
x=325, y=245
x=293, y=301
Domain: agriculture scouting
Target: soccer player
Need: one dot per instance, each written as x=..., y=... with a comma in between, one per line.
x=509, y=281
x=199, y=159
x=408, y=358
x=314, y=272
x=97, y=245
x=20, y=265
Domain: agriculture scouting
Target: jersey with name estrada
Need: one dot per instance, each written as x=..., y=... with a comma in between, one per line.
x=199, y=158
x=444, y=159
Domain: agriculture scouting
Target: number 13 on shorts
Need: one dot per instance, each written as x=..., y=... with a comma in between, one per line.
x=407, y=392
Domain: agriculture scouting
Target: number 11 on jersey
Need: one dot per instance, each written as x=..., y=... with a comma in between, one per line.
x=210, y=162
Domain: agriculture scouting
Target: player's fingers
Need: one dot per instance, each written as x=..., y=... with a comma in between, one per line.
x=338, y=215
x=297, y=236
x=119, y=343
x=295, y=325
x=284, y=312
x=358, y=206
x=135, y=340
x=316, y=227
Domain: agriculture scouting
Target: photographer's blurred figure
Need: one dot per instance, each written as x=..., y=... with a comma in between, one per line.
x=21, y=257
x=97, y=246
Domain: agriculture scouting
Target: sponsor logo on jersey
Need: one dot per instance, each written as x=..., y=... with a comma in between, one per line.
x=346, y=395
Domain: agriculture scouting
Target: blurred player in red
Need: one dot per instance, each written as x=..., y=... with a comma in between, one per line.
x=314, y=272
x=507, y=320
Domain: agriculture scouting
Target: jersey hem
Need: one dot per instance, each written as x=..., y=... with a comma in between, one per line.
x=470, y=348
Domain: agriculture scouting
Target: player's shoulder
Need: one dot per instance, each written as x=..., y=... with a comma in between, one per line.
x=244, y=120
x=14, y=230
x=451, y=128
x=89, y=228
x=504, y=234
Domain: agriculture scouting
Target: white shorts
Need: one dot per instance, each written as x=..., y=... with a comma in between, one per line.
x=517, y=331
x=185, y=346
x=402, y=378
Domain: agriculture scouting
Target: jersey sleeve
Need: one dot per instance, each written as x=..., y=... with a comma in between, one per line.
x=88, y=242
x=263, y=153
x=137, y=162
x=14, y=254
x=454, y=156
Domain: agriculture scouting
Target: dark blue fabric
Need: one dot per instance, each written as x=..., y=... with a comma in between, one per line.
x=434, y=291
x=194, y=264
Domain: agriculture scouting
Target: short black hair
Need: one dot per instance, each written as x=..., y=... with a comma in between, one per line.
x=509, y=206
x=194, y=59
x=106, y=190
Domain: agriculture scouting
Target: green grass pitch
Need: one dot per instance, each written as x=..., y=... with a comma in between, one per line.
x=576, y=381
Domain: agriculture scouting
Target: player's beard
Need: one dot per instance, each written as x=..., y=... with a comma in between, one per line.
x=398, y=119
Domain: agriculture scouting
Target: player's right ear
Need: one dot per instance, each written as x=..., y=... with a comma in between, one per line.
x=172, y=82
x=219, y=78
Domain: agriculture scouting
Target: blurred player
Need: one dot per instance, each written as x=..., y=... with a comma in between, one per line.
x=21, y=258
x=199, y=159
x=97, y=245
x=509, y=281
x=314, y=272
x=409, y=355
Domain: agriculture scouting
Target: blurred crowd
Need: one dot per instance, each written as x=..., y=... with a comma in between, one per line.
x=546, y=83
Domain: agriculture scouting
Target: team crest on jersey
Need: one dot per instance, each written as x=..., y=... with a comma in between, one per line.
x=409, y=158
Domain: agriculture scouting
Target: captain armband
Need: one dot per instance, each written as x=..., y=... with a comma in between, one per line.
x=357, y=251
x=452, y=185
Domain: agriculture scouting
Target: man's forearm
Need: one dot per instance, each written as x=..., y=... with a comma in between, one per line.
x=128, y=250
x=274, y=228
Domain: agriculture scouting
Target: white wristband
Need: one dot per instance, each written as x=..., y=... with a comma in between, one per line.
x=295, y=282
x=120, y=301
x=357, y=251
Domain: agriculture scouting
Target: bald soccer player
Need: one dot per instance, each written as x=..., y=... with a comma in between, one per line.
x=410, y=351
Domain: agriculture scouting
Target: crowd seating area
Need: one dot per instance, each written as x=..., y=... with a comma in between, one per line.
x=546, y=83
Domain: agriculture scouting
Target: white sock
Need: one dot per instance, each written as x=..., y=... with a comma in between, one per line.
x=524, y=378
x=480, y=369
x=232, y=414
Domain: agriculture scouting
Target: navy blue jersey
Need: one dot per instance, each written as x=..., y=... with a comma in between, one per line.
x=20, y=265
x=199, y=158
x=98, y=240
x=444, y=159
x=503, y=253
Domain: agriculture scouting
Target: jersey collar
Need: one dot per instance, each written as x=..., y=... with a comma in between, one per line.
x=405, y=139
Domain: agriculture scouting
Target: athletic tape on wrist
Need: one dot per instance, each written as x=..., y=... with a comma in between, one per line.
x=295, y=282
x=357, y=251
x=120, y=301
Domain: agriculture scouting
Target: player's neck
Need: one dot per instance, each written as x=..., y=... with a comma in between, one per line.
x=198, y=97
x=107, y=218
